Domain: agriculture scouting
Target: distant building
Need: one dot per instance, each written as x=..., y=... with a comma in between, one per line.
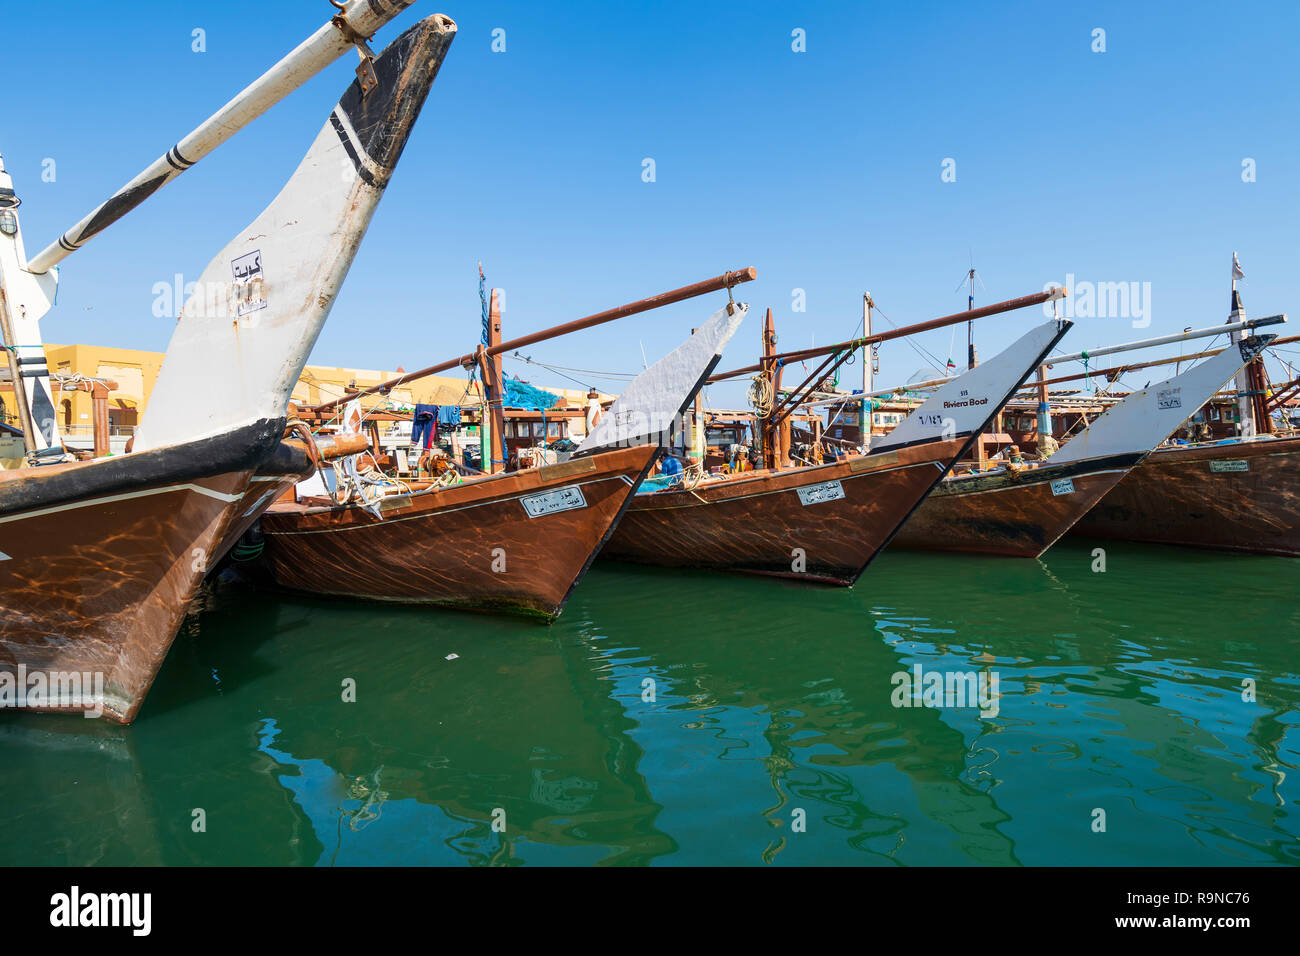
x=135, y=371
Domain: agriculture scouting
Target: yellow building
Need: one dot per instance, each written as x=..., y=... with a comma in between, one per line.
x=132, y=370
x=135, y=372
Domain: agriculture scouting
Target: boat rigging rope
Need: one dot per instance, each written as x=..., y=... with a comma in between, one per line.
x=692, y=475
x=366, y=484
x=525, y=358
x=561, y=369
x=919, y=349
x=760, y=395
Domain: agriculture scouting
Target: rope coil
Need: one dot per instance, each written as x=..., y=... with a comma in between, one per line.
x=760, y=395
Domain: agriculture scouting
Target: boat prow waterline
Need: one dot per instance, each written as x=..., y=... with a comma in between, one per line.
x=101, y=558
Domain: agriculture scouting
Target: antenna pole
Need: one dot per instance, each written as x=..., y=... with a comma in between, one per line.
x=865, y=415
x=971, y=359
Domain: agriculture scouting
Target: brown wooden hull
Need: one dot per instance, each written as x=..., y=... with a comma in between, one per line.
x=1193, y=496
x=99, y=560
x=758, y=523
x=98, y=587
x=474, y=545
x=998, y=515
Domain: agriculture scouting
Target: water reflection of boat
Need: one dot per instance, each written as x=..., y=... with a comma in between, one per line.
x=1104, y=703
x=109, y=818
x=556, y=766
x=818, y=730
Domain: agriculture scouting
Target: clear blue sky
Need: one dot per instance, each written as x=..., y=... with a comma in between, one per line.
x=821, y=169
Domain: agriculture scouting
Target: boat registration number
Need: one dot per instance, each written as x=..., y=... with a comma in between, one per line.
x=1170, y=397
x=551, y=502
x=1063, y=486
x=1229, y=465
x=816, y=494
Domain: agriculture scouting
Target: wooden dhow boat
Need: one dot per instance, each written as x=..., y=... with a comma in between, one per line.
x=825, y=523
x=515, y=542
x=1236, y=495
x=1240, y=494
x=1021, y=511
x=99, y=559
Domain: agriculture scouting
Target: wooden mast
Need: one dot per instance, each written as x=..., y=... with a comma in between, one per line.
x=1237, y=313
x=489, y=366
x=771, y=372
x=1044, y=410
x=1258, y=379
x=865, y=415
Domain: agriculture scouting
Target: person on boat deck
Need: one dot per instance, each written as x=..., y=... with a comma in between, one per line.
x=735, y=458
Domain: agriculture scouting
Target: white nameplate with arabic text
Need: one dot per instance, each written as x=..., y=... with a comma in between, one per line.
x=817, y=494
x=1229, y=465
x=551, y=502
x=1063, y=486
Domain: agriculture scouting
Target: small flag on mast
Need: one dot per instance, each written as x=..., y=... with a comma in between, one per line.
x=951, y=364
x=1236, y=269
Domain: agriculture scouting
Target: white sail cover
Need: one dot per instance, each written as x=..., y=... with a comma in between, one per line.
x=1150, y=415
x=649, y=406
x=245, y=333
x=962, y=406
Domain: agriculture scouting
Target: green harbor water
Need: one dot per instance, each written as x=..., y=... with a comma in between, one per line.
x=678, y=718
